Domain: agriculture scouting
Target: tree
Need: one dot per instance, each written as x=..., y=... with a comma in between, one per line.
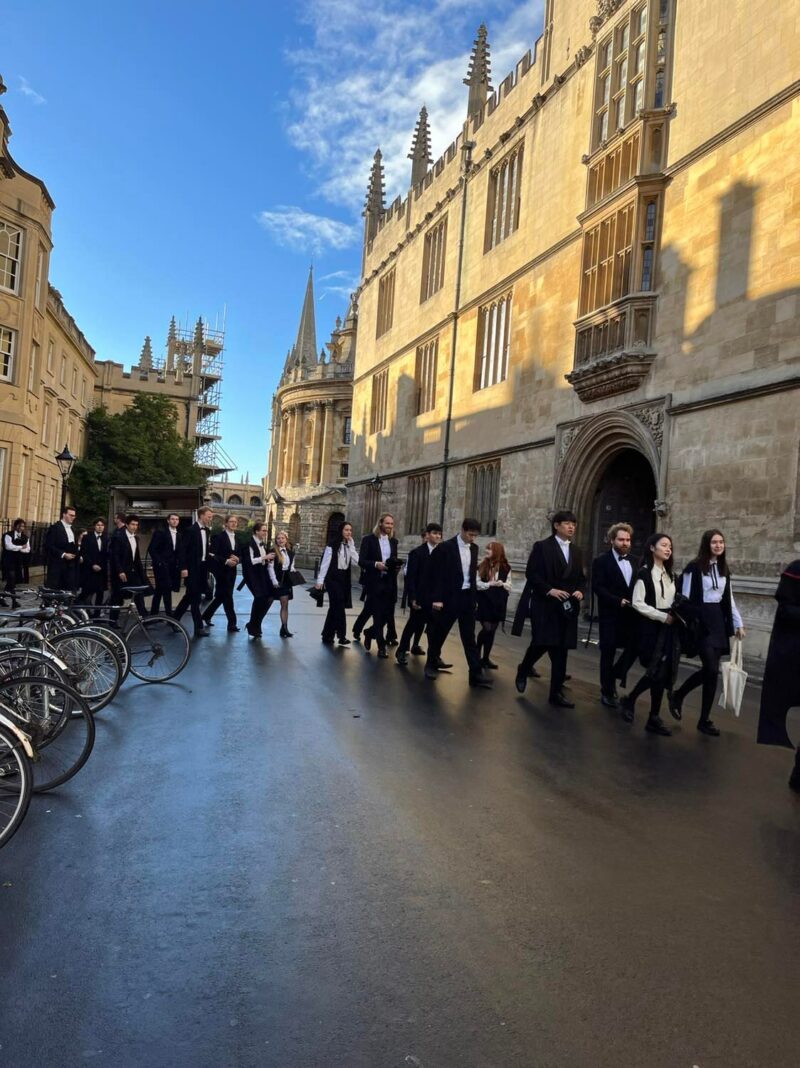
x=138, y=446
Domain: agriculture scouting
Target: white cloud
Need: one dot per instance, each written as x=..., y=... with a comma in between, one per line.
x=369, y=68
x=27, y=89
x=305, y=232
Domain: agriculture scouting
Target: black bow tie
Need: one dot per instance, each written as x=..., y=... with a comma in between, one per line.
x=622, y=557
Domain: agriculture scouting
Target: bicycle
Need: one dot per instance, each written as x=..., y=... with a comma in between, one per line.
x=16, y=777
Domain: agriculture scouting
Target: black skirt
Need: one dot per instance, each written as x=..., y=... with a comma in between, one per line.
x=713, y=618
x=490, y=605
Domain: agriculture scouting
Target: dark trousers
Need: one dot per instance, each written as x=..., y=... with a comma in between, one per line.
x=612, y=669
x=441, y=623
x=412, y=631
x=95, y=597
x=118, y=598
x=361, y=619
x=706, y=676
x=379, y=605
x=656, y=689
x=196, y=588
x=258, y=610
x=163, y=594
x=335, y=625
x=223, y=595
x=558, y=664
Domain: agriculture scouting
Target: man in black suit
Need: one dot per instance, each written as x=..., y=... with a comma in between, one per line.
x=195, y=560
x=223, y=560
x=417, y=592
x=612, y=583
x=94, y=564
x=127, y=568
x=377, y=557
x=453, y=577
x=557, y=582
x=61, y=545
x=166, y=552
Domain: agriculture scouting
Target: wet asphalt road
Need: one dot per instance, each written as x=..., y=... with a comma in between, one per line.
x=297, y=857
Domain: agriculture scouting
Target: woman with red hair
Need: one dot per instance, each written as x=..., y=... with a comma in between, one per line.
x=494, y=586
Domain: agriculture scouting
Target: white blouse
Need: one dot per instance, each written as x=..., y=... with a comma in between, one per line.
x=661, y=578
x=713, y=589
x=486, y=586
x=8, y=542
x=347, y=555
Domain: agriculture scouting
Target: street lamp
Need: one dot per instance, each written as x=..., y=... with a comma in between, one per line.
x=65, y=461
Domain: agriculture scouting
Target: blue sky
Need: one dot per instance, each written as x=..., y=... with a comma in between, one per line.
x=202, y=153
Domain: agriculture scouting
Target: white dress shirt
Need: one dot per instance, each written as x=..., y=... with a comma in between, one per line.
x=564, y=546
x=713, y=589
x=70, y=534
x=495, y=575
x=204, y=538
x=625, y=567
x=347, y=555
x=8, y=542
x=386, y=548
x=132, y=542
x=262, y=552
x=665, y=595
x=465, y=549
x=232, y=540
x=174, y=535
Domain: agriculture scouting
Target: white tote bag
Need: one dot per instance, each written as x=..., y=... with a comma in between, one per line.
x=734, y=679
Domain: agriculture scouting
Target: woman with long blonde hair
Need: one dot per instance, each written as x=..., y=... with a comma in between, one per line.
x=494, y=586
x=281, y=566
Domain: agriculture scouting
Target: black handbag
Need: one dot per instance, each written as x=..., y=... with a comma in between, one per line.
x=296, y=578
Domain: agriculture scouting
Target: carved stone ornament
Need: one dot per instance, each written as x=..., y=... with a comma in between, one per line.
x=582, y=55
x=607, y=376
x=661, y=508
x=605, y=9
x=568, y=435
x=652, y=418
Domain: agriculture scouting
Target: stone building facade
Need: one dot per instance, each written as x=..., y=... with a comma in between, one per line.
x=47, y=367
x=592, y=299
x=243, y=499
x=309, y=454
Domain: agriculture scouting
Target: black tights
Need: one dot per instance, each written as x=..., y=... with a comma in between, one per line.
x=656, y=693
x=485, y=639
x=707, y=675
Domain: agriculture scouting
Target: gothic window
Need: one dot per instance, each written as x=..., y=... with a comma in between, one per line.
x=385, y=303
x=425, y=376
x=503, y=202
x=216, y=498
x=621, y=69
x=10, y=256
x=255, y=502
x=417, y=507
x=483, y=494
x=492, y=350
x=433, y=260
x=648, y=244
x=607, y=250
x=380, y=390
x=234, y=499
x=347, y=430
x=8, y=341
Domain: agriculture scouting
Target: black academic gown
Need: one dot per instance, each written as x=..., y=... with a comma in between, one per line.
x=780, y=690
x=94, y=582
x=61, y=574
x=611, y=589
x=547, y=569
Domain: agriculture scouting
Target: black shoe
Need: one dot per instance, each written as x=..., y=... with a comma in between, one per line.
x=417, y=650
x=675, y=702
x=441, y=666
x=628, y=710
x=233, y=629
x=285, y=632
x=356, y=636
x=608, y=700
x=431, y=673
x=656, y=725
x=252, y=631
x=207, y=622
x=367, y=640
x=479, y=680
x=560, y=701
x=392, y=641
x=534, y=674
x=202, y=633
x=487, y=663
x=521, y=681
x=382, y=654
x=344, y=641
x=327, y=641
x=705, y=726
x=401, y=657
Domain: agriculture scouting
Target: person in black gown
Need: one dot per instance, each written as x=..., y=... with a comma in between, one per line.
x=780, y=690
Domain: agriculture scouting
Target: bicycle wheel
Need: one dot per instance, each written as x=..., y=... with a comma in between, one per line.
x=59, y=723
x=95, y=671
x=26, y=660
x=16, y=782
x=159, y=648
x=113, y=636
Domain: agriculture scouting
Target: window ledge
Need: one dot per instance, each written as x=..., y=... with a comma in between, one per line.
x=611, y=373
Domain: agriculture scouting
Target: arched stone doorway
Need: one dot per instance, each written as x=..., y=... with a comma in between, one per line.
x=626, y=492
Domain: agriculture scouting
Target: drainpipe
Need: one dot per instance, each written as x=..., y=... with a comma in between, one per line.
x=466, y=167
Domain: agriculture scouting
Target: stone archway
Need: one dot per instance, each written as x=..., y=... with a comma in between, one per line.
x=611, y=461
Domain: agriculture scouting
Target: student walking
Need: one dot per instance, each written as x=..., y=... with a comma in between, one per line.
x=334, y=576
x=493, y=587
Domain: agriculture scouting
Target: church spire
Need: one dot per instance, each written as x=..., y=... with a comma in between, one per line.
x=420, y=154
x=146, y=358
x=375, y=205
x=480, y=72
x=305, y=348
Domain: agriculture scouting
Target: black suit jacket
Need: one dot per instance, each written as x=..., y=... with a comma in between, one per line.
x=197, y=579
x=126, y=562
x=220, y=550
x=375, y=581
x=447, y=574
x=610, y=589
x=94, y=581
x=546, y=570
x=61, y=573
x=167, y=562
x=256, y=575
x=418, y=570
